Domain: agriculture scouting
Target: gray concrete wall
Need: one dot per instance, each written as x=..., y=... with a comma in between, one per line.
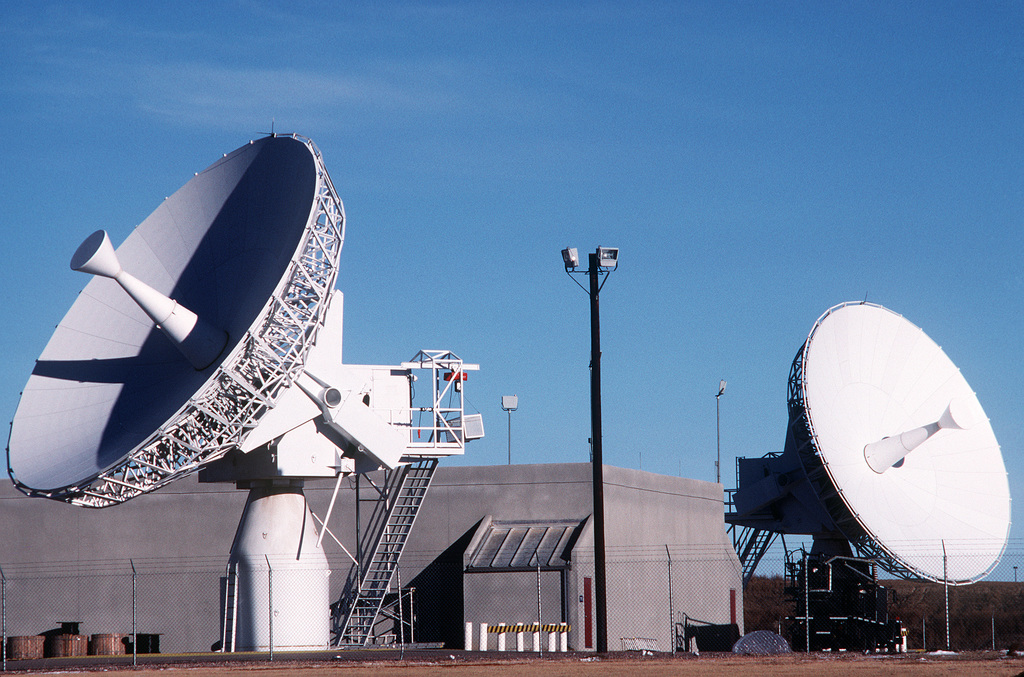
x=66, y=563
x=657, y=519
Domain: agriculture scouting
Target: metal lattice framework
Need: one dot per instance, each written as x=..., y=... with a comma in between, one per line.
x=250, y=379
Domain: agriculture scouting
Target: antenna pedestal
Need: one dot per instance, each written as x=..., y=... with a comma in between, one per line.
x=283, y=577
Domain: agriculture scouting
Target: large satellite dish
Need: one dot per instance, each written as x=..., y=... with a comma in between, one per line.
x=888, y=448
x=211, y=338
x=250, y=246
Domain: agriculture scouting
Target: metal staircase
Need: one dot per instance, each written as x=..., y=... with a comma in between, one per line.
x=751, y=544
x=356, y=613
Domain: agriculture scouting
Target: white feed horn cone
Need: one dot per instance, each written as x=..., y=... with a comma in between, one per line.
x=200, y=343
x=959, y=415
x=888, y=451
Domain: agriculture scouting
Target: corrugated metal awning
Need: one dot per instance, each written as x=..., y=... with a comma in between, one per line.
x=520, y=546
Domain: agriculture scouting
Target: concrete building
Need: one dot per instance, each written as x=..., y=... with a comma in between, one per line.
x=491, y=544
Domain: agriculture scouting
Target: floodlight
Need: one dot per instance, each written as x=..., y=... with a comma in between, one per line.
x=509, y=402
x=607, y=257
x=571, y=257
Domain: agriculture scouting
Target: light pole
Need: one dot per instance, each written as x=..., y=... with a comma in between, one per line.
x=601, y=262
x=718, y=434
x=509, y=403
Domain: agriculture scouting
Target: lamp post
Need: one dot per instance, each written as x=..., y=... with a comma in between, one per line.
x=509, y=403
x=601, y=262
x=718, y=434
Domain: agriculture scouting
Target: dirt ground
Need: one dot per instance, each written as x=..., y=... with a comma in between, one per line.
x=708, y=665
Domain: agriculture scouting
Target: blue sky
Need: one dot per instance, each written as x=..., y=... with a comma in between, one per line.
x=756, y=163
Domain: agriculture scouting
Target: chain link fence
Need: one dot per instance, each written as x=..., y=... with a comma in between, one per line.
x=110, y=607
x=666, y=599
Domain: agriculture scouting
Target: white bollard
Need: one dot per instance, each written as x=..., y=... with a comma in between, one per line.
x=552, y=641
x=520, y=641
x=536, y=641
x=501, y=641
x=483, y=637
x=468, y=642
x=563, y=637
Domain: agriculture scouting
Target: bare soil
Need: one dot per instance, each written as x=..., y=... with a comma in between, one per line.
x=974, y=664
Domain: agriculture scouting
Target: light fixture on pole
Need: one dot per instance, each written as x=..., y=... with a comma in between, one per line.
x=601, y=262
x=509, y=403
x=718, y=434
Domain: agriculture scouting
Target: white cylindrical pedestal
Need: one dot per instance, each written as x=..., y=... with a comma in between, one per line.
x=275, y=551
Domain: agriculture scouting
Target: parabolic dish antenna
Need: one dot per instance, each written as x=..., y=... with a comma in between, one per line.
x=888, y=448
x=899, y=445
x=212, y=338
x=236, y=268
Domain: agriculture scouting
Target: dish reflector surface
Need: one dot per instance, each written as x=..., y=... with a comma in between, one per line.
x=867, y=374
x=238, y=245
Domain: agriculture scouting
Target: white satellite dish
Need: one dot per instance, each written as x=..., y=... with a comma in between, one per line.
x=888, y=448
x=250, y=248
x=211, y=338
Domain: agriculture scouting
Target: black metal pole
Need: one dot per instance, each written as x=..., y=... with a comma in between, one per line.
x=600, y=592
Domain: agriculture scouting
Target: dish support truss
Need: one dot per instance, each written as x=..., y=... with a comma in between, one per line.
x=443, y=430
x=260, y=367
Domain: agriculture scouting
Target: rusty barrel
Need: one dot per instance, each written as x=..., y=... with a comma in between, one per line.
x=62, y=646
x=106, y=645
x=25, y=647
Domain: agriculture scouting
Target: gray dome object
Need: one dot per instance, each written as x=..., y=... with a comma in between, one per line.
x=761, y=643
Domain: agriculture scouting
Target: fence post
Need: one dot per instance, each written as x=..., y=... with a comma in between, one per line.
x=270, y=596
x=807, y=606
x=536, y=636
x=135, y=617
x=3, y=613
x=945, y=588
x=671, y=625
x=401, y=615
